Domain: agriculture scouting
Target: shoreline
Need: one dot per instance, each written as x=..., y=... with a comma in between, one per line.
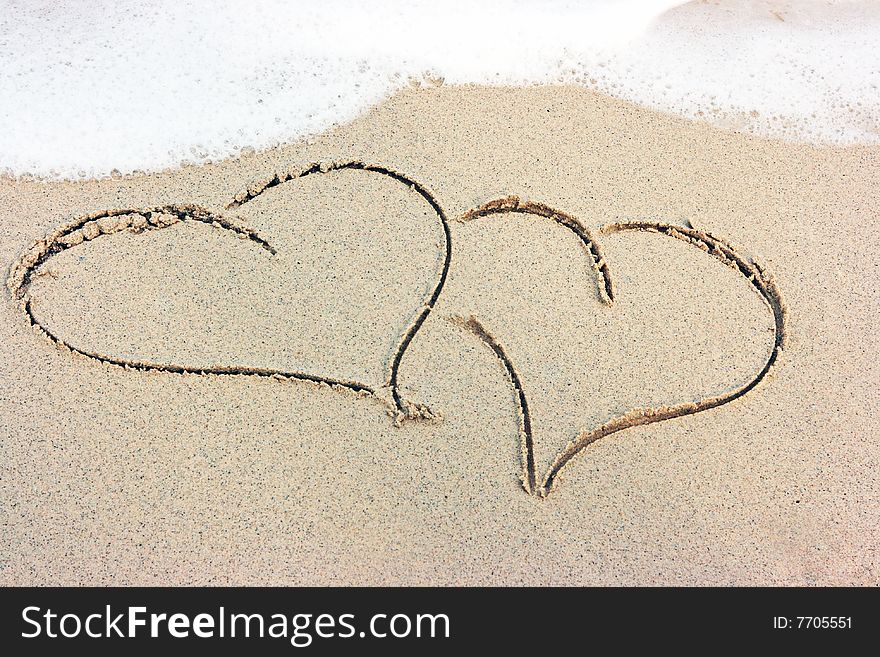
x=176, y=477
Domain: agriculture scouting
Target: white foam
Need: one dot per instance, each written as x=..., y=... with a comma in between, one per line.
x=88, y=88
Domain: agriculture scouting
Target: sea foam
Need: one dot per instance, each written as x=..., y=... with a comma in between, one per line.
x=87, y=89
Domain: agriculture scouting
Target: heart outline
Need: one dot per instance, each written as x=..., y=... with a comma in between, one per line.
x=757, y=276
x=71, y=234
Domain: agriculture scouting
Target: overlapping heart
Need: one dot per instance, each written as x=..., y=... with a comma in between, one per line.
x=107, y=223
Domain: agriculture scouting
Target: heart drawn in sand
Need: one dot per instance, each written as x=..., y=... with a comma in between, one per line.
x=327, y=279
x=535, y=482
x=108, y=223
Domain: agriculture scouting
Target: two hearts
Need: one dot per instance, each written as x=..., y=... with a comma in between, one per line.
x=435, y=259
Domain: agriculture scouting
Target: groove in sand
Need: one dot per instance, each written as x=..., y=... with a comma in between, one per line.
x=513, y=204
x=527, y=447
x=404, y=409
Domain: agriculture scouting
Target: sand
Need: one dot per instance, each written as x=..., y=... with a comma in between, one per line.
x=496, y=336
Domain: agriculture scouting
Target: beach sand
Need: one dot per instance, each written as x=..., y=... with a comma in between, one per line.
x=475, y=281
